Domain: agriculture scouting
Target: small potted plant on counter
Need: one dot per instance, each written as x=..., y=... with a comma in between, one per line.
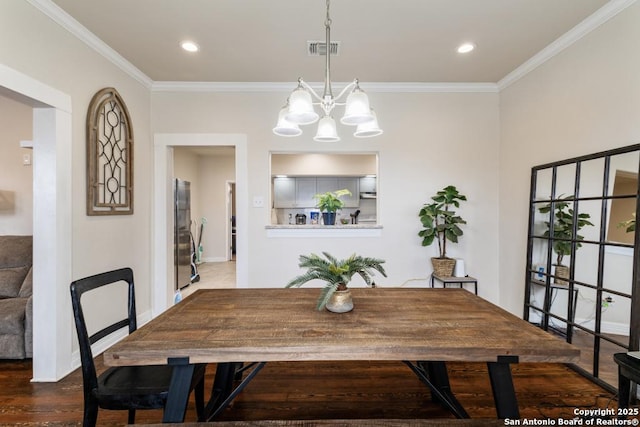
x=329, y=203
x=440, y=224
x=336, y=274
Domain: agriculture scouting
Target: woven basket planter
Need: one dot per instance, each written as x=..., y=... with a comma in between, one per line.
x=443, y=267
x=562, y=272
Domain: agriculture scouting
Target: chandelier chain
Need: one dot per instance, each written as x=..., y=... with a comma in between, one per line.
x=327, y=22
x=327, y=77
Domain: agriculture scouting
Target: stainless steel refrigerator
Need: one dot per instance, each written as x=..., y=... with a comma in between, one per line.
x=182, y=234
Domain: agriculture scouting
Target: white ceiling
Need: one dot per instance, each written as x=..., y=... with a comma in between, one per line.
x=381, y=40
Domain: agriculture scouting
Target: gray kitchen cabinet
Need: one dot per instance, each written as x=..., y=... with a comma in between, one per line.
x=335, y=183
x=284, y=192
x=368, y=184
x=294, y=192
x=351, y=184
x=305, y=190
x=299, y=192
x=327, y=183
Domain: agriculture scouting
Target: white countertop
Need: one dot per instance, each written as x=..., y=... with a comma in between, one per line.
x=320, y=230
x=321, y=226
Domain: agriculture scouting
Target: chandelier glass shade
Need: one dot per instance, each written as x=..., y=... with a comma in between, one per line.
x=327, y=131
x=367, y=129
x=300, y=107
x=284, y=127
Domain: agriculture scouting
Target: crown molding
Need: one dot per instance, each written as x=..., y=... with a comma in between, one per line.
x=67, y=22
x=420, y=87
x=166, y=86
x=602, y=15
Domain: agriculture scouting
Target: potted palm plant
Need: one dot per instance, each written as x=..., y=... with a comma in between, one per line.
x=336, y=274
x=329, y=203
x=441, y=224
x=563, y=218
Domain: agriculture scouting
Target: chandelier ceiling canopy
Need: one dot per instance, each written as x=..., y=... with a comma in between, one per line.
x=300, y=110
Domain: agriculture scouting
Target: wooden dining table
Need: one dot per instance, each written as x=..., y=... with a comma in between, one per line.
x=423, y=328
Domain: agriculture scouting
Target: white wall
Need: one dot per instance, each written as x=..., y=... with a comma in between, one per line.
x=32, y=44
x=431, y=140
x=215, y=172
x=317, y=164
x=16, y=179
x=585, y=100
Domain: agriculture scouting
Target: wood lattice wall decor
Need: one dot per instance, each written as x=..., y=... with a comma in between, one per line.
x=109, y=155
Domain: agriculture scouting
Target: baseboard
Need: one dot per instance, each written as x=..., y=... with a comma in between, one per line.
x=605, y=327
x=214, y=259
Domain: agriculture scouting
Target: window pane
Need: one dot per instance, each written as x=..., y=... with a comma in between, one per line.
x=565, y=180
x=543, y=184
x=591, y=178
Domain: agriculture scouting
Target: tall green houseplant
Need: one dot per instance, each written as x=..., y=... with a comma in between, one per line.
x=442, y=224
x=563, y=217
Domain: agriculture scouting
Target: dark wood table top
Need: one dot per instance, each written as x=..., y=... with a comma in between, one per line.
x=240, y=325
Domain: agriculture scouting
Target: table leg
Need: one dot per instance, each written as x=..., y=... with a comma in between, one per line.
x=179, y=388
x=223, y=393
x=624, y=384
x=222, y=386
x=504, y=394
x=434, y=375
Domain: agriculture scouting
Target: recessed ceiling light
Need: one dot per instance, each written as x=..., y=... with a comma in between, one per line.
x=466, y=47
x=190, y=46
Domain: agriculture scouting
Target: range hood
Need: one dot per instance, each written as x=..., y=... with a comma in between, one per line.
x=368, y=195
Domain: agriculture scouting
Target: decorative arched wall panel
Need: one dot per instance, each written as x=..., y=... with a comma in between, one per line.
x=109, y=155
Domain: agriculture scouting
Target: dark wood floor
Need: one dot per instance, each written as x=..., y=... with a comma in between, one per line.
x=306, y=390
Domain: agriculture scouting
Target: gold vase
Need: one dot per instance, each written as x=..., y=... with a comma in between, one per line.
x=340, y=302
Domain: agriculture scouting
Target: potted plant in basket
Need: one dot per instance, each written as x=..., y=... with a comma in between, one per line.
x=336, y=274
x=563, y=232
x=329, y=203
x=440, y=224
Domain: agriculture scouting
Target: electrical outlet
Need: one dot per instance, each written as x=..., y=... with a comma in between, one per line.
x=258, y=202
x=26, y=159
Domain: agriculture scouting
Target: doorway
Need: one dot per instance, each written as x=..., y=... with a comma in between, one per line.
x=52, y=243
x=164, y=144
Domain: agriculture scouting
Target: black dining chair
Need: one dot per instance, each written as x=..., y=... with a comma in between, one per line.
x=124, y=387
x=628, y=371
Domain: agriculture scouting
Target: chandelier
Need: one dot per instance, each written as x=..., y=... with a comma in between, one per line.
x=299, y=109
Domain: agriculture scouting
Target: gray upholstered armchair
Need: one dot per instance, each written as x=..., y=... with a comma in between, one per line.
x=16, y=306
